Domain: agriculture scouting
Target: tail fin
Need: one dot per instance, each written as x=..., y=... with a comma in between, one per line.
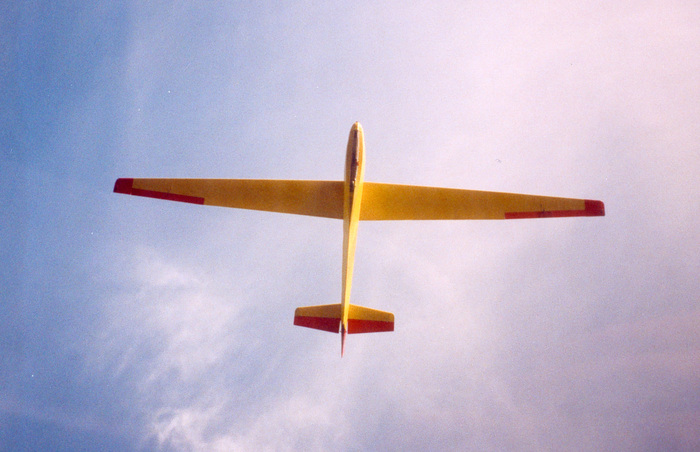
x=328, y=317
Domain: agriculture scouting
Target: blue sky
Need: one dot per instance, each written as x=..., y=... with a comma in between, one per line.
x=137, y=324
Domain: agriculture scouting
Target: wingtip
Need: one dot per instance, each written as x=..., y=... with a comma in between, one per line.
x=123, y=185
x=595, y=208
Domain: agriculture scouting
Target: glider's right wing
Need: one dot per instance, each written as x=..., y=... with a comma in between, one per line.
x=409, y=202
x=315, y=198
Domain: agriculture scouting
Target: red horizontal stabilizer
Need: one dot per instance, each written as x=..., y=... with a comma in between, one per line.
x=318, y=323
x=324, y=317
x=356, y=326
x=367, y=320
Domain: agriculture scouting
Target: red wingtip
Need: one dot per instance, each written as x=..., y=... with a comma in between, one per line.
x=591, y=208
x=123, y=185
x=595, y=208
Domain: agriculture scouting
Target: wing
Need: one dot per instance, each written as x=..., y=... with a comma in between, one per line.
x=315, y=198
x=408, y=202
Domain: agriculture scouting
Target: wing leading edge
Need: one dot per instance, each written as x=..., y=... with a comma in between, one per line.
x=409, y=202
x=315, y=198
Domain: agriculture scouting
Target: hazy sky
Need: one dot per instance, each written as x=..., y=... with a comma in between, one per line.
x=136, y=324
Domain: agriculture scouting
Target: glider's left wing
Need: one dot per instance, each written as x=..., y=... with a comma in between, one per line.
x=409, y=202
x=315, y=198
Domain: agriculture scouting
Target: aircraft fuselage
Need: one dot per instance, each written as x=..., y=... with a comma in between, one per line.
x=352, y=200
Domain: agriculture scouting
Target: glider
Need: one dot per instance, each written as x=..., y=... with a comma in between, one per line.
x=353, y=200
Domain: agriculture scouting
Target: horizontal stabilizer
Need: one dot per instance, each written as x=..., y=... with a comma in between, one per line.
x=324, y=317
x=328, y=317
x=366, y=320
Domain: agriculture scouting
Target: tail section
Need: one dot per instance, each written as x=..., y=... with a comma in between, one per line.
x=328, y=317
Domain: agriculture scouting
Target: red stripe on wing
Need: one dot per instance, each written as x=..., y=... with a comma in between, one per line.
x=126, y=186
x=591, y=209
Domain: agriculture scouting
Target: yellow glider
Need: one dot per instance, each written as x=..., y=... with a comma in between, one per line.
x=353, y=200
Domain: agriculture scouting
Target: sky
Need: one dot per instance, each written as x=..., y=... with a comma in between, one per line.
x=137, y=324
